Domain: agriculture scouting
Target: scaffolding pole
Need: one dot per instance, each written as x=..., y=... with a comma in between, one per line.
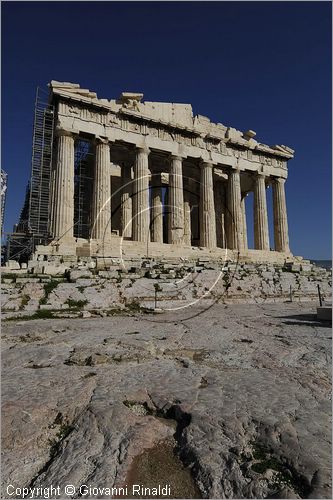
x=41, y=162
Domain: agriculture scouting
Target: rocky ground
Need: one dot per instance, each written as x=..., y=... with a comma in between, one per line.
x=156, y=284
x=228, y=401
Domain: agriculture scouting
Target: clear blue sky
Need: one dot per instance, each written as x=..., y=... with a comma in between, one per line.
x=259, y=65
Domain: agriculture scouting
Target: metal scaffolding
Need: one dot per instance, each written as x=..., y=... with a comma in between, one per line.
x=83, y=181
x=33, y=226
x=42, y=146
x=3, y=196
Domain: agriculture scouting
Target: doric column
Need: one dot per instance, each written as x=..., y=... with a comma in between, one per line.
x=235, y=219
x=261, y=235
x=140, y=225
x=156, y=209
x=101, y=206
x=280, y=216
x=126, y=201
x=176, y=201
x=166, y=215
x=244, y=221
x=219, y=198
x=63, y=190
x=187, y=219
x=207, y=207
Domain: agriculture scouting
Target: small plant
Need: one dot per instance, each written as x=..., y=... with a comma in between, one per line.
x=158, y=287
x=48, y=288
x=64, y=431
x=40, y=314
x=24, y=301
x=43, y=314
x=76, y=304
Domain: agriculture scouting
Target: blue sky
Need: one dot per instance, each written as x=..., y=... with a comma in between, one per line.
x=259, y=65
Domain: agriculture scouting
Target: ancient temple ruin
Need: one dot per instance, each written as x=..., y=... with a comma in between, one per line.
x=131, y=177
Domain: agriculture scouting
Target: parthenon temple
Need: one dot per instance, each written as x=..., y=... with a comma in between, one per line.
x=130, y=175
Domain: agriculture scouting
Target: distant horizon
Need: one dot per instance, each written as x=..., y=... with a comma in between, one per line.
x=264, y=66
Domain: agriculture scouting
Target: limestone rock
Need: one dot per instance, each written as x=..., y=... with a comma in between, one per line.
x=243, y=390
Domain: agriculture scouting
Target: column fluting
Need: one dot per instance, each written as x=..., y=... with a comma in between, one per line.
x=261, y=234
x=280, y=216
x=207, y=207
x=244, y=222
x=235, y=219
x=101, y=206
x=156, y=209
x=176, y=201
x=126, y=201
x=63, y=190
x=140, y=224
x=187, y=218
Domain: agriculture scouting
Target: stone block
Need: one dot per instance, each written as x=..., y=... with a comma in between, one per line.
x=32, y=263
x=306, y=267
x=38, y=268
x=69, y=258
x=86, y=314
x=75, y=274
x=27, y=280
x=13, y=265
x=54, y=270
x=108, y=274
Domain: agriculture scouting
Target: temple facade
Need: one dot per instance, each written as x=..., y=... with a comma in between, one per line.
x=157, y=178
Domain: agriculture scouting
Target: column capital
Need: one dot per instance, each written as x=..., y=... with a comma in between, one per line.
x=206, y=164
x=176, y=157
x=234, y=169
x=259, y=175
x=101, y=140
x=278, y=180
x=60, y=131
x=143, y=149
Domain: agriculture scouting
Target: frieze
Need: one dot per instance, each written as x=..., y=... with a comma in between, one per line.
x=165, y=133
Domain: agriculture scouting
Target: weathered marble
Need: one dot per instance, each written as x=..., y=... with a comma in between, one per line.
x=165, y=141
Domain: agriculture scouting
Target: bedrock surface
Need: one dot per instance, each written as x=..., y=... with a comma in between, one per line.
x=240, y=394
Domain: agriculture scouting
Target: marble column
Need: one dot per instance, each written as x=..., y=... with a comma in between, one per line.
x=140, y=223
x=187, y=219
x=156, y=209
x=235, y=219
x=166, y=216
x=126, y=201
x=280, y=216
x=101, y=206
x=207, y=207
x=176, y=201
x=63, y=189
x=261, y=235
x=219, y=198
x=244, y=221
